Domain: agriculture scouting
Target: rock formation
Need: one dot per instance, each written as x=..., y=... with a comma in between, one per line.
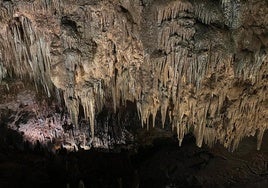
x=200, y=65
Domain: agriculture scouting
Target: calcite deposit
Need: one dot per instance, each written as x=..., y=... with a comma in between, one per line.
x=199, y=65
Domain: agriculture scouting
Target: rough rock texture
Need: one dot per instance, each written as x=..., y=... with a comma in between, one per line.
x=41, y=121
x=202, y=66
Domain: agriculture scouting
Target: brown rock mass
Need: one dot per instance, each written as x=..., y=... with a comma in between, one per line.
x=202, y=64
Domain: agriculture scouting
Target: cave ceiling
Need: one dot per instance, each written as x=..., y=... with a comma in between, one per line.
x=199, y=65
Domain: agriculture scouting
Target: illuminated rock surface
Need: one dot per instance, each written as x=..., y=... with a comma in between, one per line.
x=136, y=78
x=199, y=66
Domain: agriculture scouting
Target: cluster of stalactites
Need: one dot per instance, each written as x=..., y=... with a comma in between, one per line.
x=26, y=54
x=40, y=6
x=250, y=67
x=173, y=83
x=176, y=85
x=185, y=86
x=172, y=10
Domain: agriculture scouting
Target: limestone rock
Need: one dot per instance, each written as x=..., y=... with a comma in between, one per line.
x=201, y=65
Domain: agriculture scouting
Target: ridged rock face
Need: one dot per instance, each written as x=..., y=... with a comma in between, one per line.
x=201, y=65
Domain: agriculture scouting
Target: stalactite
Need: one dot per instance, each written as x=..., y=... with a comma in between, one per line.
x=231, y=10
x=203, y=14
x=72, y=105
x=164, y=107
x=3, y=72
x=259, y=138
x=210, y=136
x=88, y=102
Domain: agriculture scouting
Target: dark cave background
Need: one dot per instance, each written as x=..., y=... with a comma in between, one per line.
x=160, y=163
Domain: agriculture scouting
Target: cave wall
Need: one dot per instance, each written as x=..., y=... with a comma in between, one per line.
x=202, y=66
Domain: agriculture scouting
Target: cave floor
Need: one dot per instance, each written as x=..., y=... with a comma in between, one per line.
x=164, y=164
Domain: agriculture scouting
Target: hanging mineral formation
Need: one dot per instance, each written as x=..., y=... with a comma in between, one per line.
x=187, y=61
